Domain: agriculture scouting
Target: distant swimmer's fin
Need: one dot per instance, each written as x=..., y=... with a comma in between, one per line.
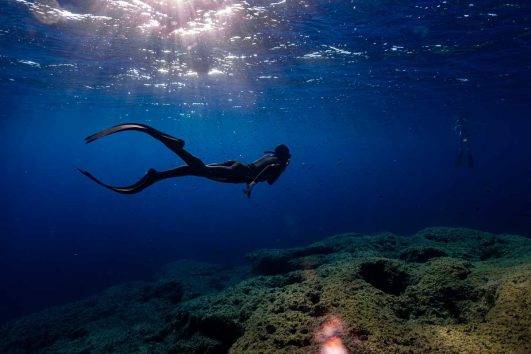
x=144, y=182
x=171, y=143
x=459, y=158
x=470, y=160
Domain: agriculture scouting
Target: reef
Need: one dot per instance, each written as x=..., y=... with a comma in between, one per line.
x=446, y=290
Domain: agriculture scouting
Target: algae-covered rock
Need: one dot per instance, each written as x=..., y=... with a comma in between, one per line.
x=271, y=262
x=421, y=254
x=443, y=290
x=171, y=291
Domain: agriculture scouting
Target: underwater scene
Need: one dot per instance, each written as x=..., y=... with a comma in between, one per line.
x=265, y=176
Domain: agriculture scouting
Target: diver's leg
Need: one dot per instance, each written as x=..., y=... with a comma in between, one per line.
x=150, y=178
x=174, y=144
x=226, y=163
x=470, y=158
x=459, y=158
x=190, y=159
x=169, y=141
x=231, y=173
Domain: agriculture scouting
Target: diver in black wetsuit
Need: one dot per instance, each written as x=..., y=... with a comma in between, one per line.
x=266, y=169
x=465, y=152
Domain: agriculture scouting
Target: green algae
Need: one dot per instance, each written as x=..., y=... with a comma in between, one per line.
x=444, y=290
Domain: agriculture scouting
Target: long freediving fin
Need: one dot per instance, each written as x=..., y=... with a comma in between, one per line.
x=459, y=158
x=172, y=143
x=144, y=182
x=119, y=128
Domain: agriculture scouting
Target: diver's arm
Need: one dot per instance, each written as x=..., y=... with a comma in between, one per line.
x=247, y=191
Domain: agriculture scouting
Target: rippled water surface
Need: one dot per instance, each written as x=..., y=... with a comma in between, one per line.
x=181, y=48
x=373, y=97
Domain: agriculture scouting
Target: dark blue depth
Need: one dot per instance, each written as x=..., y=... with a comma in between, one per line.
x=366, y=94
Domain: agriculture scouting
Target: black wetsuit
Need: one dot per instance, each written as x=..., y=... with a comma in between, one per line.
x=276, y=167
x=267, y=168
x=465, y=152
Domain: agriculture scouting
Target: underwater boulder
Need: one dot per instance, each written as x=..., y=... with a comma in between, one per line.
x=310, y=251
x=170, y=291
x=275, y=262
x=453, y=235
x=198, y=278
x=421, y=254
x=494, y=247
x=284, y=332
x=490, y=252
x=33, y=343
x=442, y=293
x=270, y=262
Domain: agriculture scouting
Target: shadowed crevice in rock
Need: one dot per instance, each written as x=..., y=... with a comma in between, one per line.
x=224, y=329
x=385, y=275
x=492, y=248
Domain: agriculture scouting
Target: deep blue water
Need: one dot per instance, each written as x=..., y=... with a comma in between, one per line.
x=367, y=94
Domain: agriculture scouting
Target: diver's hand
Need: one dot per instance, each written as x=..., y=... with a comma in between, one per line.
x=247, y=191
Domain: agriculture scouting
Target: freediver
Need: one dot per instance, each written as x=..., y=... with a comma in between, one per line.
x=465, y=152
x=266, y=169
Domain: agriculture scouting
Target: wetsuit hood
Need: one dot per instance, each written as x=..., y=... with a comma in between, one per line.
x=282, y=152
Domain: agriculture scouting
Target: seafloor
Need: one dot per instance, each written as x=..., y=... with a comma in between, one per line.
x=441, y=290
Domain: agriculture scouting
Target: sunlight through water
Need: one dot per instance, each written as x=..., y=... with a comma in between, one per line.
x=231, y=50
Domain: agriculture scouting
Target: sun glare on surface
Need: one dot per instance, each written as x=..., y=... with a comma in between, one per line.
x=179, y=49
x=167, y=45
